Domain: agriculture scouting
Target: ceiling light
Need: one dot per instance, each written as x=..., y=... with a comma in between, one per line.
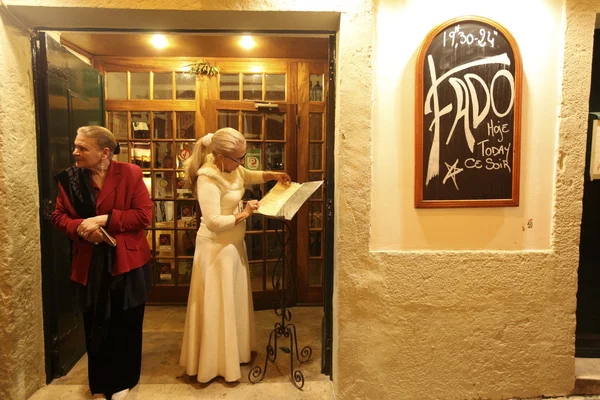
x=247, y=42
x=159, y=41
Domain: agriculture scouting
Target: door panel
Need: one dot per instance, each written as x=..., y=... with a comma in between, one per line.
x=68, y=95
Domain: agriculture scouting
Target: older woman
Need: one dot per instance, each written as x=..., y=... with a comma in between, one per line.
x=100, y=199
x=219, y=325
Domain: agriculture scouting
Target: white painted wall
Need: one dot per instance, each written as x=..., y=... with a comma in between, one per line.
x=537, y=27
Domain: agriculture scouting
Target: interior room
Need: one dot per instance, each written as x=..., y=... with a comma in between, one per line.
x=159, y=93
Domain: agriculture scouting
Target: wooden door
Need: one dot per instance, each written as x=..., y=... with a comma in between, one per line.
x=312, y=91
x=68, y=95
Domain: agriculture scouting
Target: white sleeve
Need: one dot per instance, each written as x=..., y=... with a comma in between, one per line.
x=251, y=177
x=209, y=197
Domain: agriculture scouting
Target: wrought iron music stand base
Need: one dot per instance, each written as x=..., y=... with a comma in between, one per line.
x=284, y=328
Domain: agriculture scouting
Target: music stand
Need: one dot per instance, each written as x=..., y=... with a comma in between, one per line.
x=284, y=328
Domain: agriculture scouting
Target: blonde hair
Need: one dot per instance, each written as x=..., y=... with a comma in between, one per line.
x=225, y=141
x=102, y=136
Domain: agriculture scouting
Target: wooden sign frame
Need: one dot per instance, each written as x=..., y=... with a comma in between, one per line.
x=488, y=27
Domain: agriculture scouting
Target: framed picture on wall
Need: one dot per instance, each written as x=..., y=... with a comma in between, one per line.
x=468, y=116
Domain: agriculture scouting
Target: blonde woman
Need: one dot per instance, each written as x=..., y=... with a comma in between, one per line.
x=219, y=326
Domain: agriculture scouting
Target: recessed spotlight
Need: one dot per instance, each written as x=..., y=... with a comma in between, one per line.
x=247, y=42
x=159, y=41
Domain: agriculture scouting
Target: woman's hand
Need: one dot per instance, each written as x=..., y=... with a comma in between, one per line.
x=91, y=224
x=251, y=206
x=282, y=177
x=94, y=237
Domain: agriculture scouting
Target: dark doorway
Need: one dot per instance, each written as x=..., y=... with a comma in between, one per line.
x=68, y=94
x=588, y=294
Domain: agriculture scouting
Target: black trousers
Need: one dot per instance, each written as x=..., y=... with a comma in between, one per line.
x=116, y=365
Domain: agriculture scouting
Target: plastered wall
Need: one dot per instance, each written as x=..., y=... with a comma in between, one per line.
x=21, y=329
x=413, y=322
x=426, y=315
x=397, y=225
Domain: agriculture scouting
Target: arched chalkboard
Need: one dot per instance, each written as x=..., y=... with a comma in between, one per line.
x=467, y=116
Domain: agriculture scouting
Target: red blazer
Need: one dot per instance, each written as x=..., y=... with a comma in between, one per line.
x=125, y=196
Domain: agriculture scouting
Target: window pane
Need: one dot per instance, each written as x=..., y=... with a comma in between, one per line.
x=140, y=122
x=150, y=240
x=315, y=126
x=163, y=214
x=164, y=271
x=253, y=87
x=117, y=124
x=184, y=150
x=163, y=185
x=275, y=126
x=163, y=154
x=228, y=119
x=316, y=156
x=253, y=156
x=314, y=244
x=254, y=223
x=117, y=85
x=164, y=243
x=147, y=181
x=275, y=156
x=314, y=272
x=254, y=245
x=163, y=125
x=140, y=85
x=184, y=273
x=315, y=215
x=163, y=85
x=140, y=154
x=256, y=277
x=229, y=86
x=185, y=85
x=316, y=176
x=186, y=214
x=253, y=192
x=186, y=242
x=252, y=125
x=275, y=87
x=273, y=224
x=273, y=246
x=123, y=156
x=272, y=281
x=186, y=122
x=182, y=191
x=316, y=87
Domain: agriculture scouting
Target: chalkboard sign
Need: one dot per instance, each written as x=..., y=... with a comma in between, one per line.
x=467, y=117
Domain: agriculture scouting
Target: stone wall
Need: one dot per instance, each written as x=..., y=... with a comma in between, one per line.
x=21, y=328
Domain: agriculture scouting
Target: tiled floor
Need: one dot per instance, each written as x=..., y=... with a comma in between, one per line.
x=587, y=371
x=163, y=378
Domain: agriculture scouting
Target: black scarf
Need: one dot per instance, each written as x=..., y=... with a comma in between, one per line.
x=78, y=186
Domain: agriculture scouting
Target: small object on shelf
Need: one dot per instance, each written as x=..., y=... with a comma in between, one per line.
x=203, y=67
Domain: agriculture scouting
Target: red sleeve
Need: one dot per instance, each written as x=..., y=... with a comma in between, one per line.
x=139, y=216
x=62, y=216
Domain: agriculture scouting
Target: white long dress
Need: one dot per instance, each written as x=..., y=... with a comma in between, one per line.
x=219, y=329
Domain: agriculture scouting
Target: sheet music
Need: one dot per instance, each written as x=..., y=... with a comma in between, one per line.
x=302, y=194
x=272, y=203
x=285, y=201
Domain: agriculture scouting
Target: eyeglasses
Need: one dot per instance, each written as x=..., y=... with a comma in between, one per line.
x=237, y=160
